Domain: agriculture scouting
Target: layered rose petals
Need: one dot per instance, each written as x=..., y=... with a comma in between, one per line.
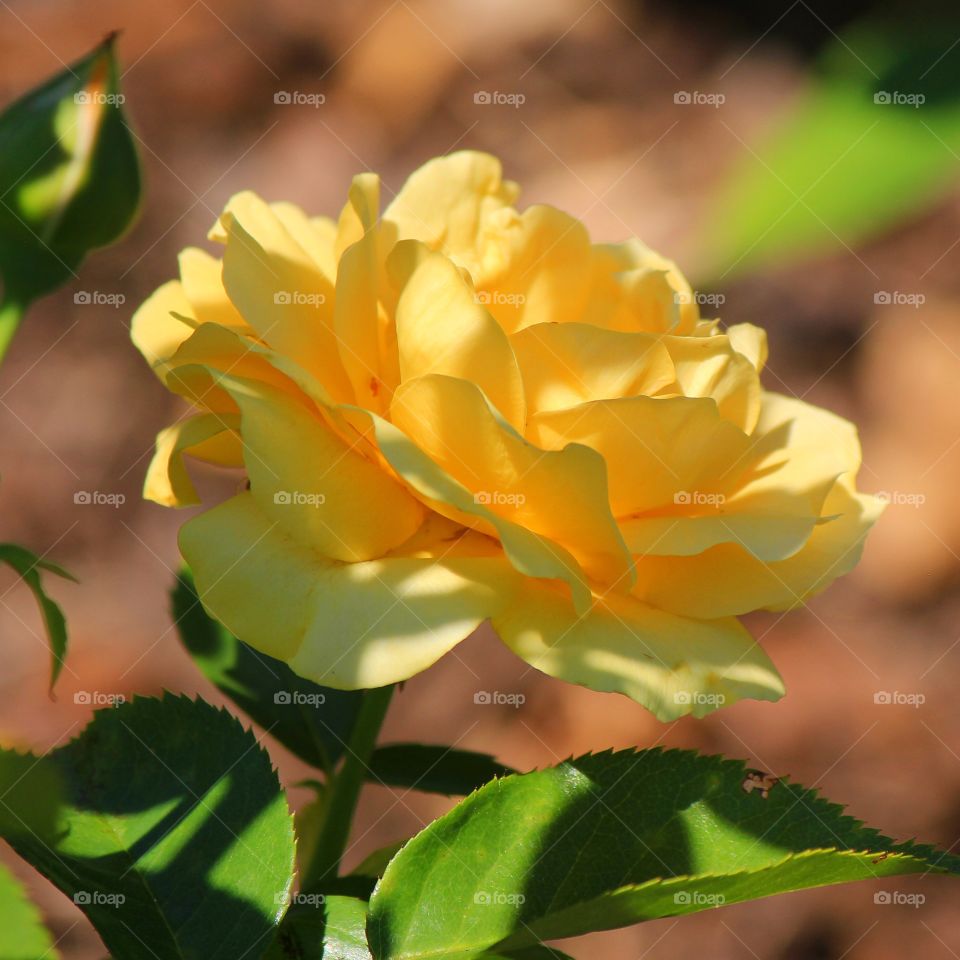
x=458, y=412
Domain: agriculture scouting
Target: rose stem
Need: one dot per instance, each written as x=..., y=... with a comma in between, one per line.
x=345, y=788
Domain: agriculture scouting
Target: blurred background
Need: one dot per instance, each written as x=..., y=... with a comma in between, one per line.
x=799, y=160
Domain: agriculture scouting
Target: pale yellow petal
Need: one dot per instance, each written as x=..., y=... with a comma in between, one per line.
x=316, y=236
x=529, y=553
x=558, y=494
x=672, y=665
x=442, y=329
x=711, y=367
x=565, y=364
x=280, y=291
x=727, y=580
x=356, y=314
x=359, y=214
x=167, y=481
x=751, y=341
x=655, y=448
x=637, y=289
x=162, y=322
x=348, y=626
x=322, y=491
x=439, y=536
x=212, y=347
x=774, y=535
x=536, y=267
x=798, y=451
x=796, y=454
x=202, y=279
x=446, y=202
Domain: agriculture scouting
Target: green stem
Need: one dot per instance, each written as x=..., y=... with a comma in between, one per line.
x=10, y=314
x=344, y=790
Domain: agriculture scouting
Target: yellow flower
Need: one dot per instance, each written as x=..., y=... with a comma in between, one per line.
x=458, y=412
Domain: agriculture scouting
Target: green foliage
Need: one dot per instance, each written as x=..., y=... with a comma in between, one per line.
x=69, y=176
x=313, y=722
x=29, y=565
x=22, y=933
x=611, y=839
x=332, y=928
x=325, y=928
x=173, y=834
x=433, y=769
x=30, y=795
x=843, y=167
x=376, y=862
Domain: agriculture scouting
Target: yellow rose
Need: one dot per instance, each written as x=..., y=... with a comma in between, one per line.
x=458, y=412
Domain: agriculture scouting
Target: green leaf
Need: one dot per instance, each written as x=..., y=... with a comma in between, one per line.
x=608, y=840
x=841, y=168
x=308, y=823
x=174, y=836
x=22, y=933
x=30, y=796
x=311, y=721
x=333, y=929
x=433, y=769
x=375, y=863
x=69, y=176
x=29, y=565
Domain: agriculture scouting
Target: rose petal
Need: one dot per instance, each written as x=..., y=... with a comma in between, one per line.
x=671, y=665
x=349, y=626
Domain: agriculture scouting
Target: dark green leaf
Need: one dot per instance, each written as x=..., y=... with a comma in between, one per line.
x=30, y=796
x=330, y=929
x=313, y=722
x=22, y=933
x=843, y=167
x=611, y=839
x=69, y=176
x=29, y=565
x=433, y=769
x=174, y=836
